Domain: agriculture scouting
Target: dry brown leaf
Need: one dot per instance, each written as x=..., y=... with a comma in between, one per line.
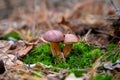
x=10, y=60
x=24, y=51
x=21, y=48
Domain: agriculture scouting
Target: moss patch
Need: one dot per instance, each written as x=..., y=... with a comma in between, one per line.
x=103, y=77
x=13, y=35
x=112, y=54
x=81, y=57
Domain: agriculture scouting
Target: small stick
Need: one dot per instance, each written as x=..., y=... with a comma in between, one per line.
x=35, y=18
x=116, y=8
x=28, y=58
x=87, y=34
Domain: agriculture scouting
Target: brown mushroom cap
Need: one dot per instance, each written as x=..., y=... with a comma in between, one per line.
x=70, y=38
x=53, y=36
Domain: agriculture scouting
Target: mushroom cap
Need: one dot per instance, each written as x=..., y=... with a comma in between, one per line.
x=53, y=36
x=70, y=38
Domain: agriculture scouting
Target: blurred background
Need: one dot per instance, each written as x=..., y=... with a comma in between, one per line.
x=32, y=18
x=7, y=6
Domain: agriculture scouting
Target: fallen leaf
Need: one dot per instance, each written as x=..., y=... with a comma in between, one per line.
x=10, y=60
x=24, y=51
x=112, y=66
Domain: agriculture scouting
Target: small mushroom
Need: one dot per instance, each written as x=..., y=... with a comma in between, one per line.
x=68, y=41
x=55, y=37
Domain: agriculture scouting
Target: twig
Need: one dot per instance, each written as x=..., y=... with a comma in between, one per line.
x=38, y=74
x=28, y=58
x=41, y=39
x=35, y=18
x=115, y=53
x=116, y=8
x=46, y=14
x=92, y=72
x=87, y=34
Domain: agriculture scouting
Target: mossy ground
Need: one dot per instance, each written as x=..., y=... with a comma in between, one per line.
x=82, y=56
x=103, y=77
x=12, y=35
x=80, y=59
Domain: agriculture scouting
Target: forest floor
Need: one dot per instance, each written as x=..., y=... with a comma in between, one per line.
x=26, y=55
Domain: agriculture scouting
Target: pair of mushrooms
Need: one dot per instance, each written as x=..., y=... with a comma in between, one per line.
x=55, y=37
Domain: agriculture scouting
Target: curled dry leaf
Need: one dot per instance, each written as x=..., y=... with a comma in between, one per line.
x=21, y=48
x=24, y=51
x=108, y=66
x=112, y=66
x=9, y=59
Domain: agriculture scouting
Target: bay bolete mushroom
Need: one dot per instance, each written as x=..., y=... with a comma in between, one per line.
x=54, y=37
x=68, y=41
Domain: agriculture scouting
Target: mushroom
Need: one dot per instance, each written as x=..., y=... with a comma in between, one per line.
x=68, y=41
x=55, y=37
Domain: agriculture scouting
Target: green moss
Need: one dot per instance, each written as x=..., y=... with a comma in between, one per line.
x=25, y=79
x=13, y=35
x=82, y=56
x=111, y=47
x=103, y=77
x=112, y=54
x=42, y=54
x=78, y=73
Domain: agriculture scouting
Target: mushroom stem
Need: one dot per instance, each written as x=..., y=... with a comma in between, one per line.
x=67, y=49
x=56, y=51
